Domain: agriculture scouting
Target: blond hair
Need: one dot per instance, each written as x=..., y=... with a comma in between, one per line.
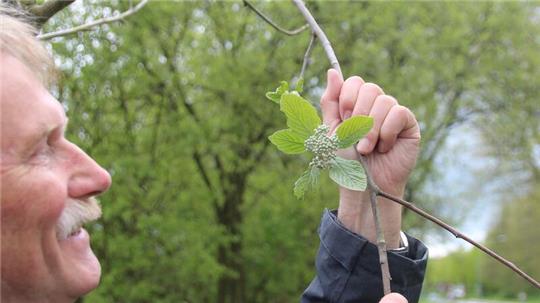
x=18, y=39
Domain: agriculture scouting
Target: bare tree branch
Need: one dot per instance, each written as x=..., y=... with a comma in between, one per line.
x=89, y=25
x=273, y=24
x=381, y=243
x=320, y=34
x=460, y=235
x=307, y=55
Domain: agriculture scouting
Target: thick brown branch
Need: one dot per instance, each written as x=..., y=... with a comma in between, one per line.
x=89, y=25
x=273, y=24
x=198, y=161
x=48, y=9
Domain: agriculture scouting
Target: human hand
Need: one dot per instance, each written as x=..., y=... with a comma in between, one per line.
x=393, y=298
x=391, y=148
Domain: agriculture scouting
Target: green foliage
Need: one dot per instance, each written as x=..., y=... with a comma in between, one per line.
x=515, y=238
x=307, y=132
x=349, y=174
x=288, y=141
x=275, y=96
x=460, y=267
x=300, y=85
x=309, y=179
x=511, y=237
x=302, y=117
x=353, y=129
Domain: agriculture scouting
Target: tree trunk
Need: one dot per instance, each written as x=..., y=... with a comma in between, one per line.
x=231, y=286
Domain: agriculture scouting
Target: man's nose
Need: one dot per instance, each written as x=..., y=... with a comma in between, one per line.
x=87, y=178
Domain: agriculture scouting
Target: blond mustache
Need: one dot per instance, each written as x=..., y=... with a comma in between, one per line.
x=75, y=214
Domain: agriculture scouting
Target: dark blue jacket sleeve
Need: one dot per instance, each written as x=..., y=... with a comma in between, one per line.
x=348, y=267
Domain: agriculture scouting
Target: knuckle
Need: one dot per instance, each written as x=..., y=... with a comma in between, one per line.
x=354, y=80
x=372, y=88
x=387, y=99
x=372, y=135
x=402, y=111
x=324, y=97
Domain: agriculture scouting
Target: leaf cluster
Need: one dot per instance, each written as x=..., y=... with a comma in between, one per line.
x=303, y=122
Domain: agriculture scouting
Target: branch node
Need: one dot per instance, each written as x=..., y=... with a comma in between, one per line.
x=273, y=24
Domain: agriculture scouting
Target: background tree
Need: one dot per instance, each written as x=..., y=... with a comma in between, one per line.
x=514, y=235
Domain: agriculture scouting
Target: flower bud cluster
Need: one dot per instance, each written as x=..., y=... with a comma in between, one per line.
x=322, y=146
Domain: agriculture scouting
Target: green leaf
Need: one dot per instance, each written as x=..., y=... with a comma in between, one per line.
x=302, y=117
x=309, y=179
x=299, y=85
x=301, y=185
x=288, y=141
x=275, y=96
x=349, y=174
x=314, y=174
x=352, y=129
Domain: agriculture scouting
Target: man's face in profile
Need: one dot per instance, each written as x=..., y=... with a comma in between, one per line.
x=47, y=190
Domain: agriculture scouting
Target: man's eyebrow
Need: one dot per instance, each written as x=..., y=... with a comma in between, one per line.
x=46, y=131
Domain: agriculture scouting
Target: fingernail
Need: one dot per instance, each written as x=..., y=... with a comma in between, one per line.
x=363, y=145
x=347, y=114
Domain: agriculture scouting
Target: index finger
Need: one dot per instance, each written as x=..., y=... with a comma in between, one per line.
x=330, y=99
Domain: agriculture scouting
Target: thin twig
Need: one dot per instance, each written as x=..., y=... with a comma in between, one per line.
x=307, y=55
x=375, y=189
x=460, y=235
x=381, y=243
x=372, y=187
x=273, y=24
x=89, y=25
x=320, y=34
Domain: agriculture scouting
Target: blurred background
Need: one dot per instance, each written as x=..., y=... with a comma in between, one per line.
x=171, y=102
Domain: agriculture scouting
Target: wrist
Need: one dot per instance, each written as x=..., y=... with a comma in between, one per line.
x=355, y=213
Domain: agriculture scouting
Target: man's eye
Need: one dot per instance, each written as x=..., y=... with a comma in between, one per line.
x=43, y=149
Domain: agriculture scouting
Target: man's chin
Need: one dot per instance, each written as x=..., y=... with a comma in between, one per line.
x=82, y=270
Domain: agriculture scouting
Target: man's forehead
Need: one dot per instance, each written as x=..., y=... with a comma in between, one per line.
x=27, y=108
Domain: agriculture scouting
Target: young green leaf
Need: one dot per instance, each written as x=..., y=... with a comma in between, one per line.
x=309, y=179
x=275, y=96
x=349, y=174
x=288, y=141
x=299, y=85
x=302, y=117
x=314, y=174
x=352, y=129
x=301, y=185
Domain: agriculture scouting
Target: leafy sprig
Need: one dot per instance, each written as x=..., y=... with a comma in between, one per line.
x=307, y=133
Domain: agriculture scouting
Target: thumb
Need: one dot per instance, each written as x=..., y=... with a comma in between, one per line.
x=393, y=298
x=330, y=99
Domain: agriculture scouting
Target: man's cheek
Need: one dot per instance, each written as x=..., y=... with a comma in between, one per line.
x=37, y=202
